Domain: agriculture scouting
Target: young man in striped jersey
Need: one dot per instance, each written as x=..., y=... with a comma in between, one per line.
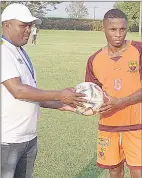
x=117, y=68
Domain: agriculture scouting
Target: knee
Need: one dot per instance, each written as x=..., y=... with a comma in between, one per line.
x=136, y=173
x=116, y=173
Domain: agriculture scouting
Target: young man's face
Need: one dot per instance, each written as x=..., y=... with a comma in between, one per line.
x=115, y=30
x=19, y=32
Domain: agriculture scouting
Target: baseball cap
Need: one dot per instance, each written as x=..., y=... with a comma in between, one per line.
x=19, y=12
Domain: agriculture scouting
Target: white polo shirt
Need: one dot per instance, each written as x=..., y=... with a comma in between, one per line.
x=19, y=117
x=34, y=31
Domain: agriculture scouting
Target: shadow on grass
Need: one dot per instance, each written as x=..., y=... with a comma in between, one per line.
x=91, y=171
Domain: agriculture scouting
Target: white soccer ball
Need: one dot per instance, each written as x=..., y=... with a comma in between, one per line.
x=94, y=96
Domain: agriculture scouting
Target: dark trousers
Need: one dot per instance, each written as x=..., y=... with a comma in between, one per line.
x=17, y=159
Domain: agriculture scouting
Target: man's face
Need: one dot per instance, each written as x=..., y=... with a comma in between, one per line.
x=19, y=32
x=115, y=30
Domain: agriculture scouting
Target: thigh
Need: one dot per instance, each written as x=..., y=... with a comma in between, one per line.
x=10, y=154
x=132, y=145
x=136, y=173
x=25, y=165
x=109, y=151
x=34, y=37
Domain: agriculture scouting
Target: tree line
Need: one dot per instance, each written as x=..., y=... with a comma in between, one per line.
x=77, y=10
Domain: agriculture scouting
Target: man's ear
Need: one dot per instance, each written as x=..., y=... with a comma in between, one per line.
x=6, y=24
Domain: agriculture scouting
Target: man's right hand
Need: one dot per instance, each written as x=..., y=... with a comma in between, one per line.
x=25, y=92
x=70, y=97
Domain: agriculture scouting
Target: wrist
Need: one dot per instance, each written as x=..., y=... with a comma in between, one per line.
x=125, y=101
x=57, y=96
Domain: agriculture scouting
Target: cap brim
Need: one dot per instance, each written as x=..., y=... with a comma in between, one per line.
x=36, y=21
x=31, y=19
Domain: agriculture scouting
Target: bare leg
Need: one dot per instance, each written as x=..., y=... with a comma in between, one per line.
x=136, y=173
x=117, y=172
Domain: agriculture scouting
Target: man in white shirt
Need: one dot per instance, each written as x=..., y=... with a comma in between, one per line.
x=21, y=98
x=34, y=34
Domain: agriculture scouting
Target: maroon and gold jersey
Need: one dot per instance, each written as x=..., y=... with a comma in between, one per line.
x=120, y=77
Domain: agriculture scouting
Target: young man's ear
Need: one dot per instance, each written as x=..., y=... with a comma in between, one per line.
x=102, y=27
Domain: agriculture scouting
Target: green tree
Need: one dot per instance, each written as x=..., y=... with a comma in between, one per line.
x=132, y=11
x=77, y=10
x=38, y=8
x=4, y=4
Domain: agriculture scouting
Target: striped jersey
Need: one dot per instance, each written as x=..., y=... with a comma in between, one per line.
x=120, y=77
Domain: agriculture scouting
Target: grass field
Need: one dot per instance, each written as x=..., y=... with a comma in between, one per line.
x=67, y=141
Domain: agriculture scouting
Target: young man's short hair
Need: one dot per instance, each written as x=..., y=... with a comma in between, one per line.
x=115, y=13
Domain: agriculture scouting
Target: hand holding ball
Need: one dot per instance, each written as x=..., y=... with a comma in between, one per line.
x=94, y=96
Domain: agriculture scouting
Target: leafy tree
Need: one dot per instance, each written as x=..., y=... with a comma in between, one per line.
x=77, y=10
x=37, y=8
x=132, y=11
x=4, y=4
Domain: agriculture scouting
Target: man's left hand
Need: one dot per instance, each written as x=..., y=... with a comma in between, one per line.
x=66, y=107
x=111, y=106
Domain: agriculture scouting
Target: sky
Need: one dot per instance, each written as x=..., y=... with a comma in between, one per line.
x=96, y=10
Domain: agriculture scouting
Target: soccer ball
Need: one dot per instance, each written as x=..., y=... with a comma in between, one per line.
x=94, y=96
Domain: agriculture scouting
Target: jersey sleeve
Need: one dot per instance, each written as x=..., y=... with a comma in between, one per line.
x=8, y=66
x=140, y=67
x=138, y=45
x=90, y=77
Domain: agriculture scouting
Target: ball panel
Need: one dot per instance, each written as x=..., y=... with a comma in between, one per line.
x=94, y=96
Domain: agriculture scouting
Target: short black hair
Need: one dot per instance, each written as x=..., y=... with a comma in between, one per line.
x=115, y=13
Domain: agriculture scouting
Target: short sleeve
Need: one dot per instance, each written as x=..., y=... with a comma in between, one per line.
x=8, y=66
x=90, y=77
x=138, y=46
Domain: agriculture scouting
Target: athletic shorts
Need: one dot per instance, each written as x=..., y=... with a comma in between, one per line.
x=34, y=37
x=115, y=148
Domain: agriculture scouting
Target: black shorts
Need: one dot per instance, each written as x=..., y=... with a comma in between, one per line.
x=34, y=37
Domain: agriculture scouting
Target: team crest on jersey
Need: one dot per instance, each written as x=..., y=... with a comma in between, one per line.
x=132, y=66
x=20, y=61
x=102, y=146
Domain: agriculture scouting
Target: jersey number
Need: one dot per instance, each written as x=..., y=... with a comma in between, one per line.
x=117, y=84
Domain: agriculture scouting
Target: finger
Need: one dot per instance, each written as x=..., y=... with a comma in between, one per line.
x=106, y=112
x=81, y=100
x=70, y=108
x=104, y=108
x=76, y=103
x=106, y=104
x=107, y=108
x=72, y=105
x=96, y=113
x=80, y=95
x=72, y=89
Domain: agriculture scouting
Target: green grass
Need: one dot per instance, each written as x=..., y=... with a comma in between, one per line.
x=67, y=141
